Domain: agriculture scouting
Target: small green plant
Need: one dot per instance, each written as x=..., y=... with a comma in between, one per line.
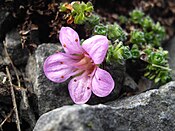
x=118, y=52
x=100, y=30
x=137, y=37
x=153, y=32
x=77, y=12
x=158, y=67
x=136, y=16
x=81, y=11
x=123, y=19
x=145, y=41
x=135, y=52
x=113, y=31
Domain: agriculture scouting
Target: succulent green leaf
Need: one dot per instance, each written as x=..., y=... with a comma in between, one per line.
x=137, y=37
x=136, y=16
x=79, y=18
x=115, y=32
x=89, y=7
x=100, y=30
x=62, y=7
x=77, y=7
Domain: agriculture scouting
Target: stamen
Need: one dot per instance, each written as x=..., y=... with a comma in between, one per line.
x=61, y=62
x=64, y=45
x=75, y=80
x=99, y=79
x=62, y=76
x=88, y=88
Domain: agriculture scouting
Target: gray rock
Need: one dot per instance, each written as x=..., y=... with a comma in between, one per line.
x=7, y=22
x=1, y=48
x=52, y=95
x=145, y=84
x=130, y=83
x=153, y=110
x=18, y=54
x=3, y=16
x=26, y=113
x=171, y=48
x=4, y=61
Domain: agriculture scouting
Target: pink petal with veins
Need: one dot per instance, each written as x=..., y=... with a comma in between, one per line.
x=70, y=41
x=102, y=83
x=57, y=67
x=96, y=47
x=80, y=89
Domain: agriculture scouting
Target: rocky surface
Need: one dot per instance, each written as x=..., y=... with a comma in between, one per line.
x=26, y=111
x=16, y=51
x=3, y=16
x=153, y=110
x=171, y=48
x=7, y=22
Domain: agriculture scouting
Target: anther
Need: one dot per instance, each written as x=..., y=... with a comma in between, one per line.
x=88, y=88
x=75, y=80
x=62, y=76
x=61, y=62
x=89, y=75
x=64, y=45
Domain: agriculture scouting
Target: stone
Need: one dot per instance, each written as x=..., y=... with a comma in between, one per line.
x=145, y=84
x=7, y=22
x=153, y=110
x=129, y=85
x=51, y=95
x=16, y=51
x=1, y=55
x=171, y=49
x=26, y=113
x=3, y=16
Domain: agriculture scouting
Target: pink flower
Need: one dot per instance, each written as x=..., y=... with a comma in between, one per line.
x=82, y=63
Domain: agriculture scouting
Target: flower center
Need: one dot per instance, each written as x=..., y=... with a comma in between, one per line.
x=85, y=63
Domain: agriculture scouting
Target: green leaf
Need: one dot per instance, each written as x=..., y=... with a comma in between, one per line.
x=137, y=37
x=147, y=74
x=123, y=19
x=62, y=7
x=79, y=18
x=93, y=20
x=156, y=80
x=136, y=16
x=115, y=32
x=89, y=7
x=77, y=7
x=100, y=30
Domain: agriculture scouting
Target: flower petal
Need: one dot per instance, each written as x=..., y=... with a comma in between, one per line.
x=102, y=83
x=70, y=41
x=96, y=47
x=80, y=89
x=57, y=67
